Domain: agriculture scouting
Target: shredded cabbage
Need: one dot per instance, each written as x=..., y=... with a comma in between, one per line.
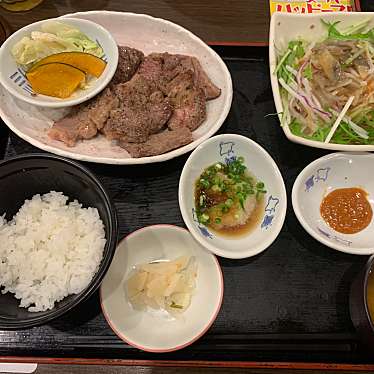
x=54, y=37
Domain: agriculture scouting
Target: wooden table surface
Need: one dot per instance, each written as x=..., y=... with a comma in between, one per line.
x=216, y=22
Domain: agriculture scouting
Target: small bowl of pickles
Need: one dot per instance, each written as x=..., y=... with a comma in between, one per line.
x=232, y=196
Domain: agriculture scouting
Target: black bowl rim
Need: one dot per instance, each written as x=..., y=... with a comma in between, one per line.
x=111, y=243
x=368, y=266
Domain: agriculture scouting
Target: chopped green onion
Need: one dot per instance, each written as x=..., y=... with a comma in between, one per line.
x=202, y=200
x=216, y=188
x=204, y=183
x=229, y=203
x=204, y=218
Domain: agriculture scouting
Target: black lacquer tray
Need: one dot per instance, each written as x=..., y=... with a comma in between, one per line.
x=289, y=303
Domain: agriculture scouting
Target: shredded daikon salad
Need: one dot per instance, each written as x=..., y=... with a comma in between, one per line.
x=318, y=79
x=163, y=285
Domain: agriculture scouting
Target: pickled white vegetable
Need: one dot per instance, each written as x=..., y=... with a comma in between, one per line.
x=163, y=285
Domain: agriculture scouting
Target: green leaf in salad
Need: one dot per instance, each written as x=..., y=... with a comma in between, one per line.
x=343, y=135
x=297, y=48
x=319, y=135
x=308, y=72
x=357, y=27
x=334, y=33
x=294, y=52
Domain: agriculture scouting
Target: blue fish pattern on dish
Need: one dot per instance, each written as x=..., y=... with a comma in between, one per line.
x=267, y=221
x=226, y=148
x=203, y=229
x=19, y=78
x=324, y=233
x=309, y=183
x=334, y=237
x=270, y=209
x=321, y=175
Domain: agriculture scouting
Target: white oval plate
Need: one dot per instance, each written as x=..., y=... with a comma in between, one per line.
x=147, y=34
x=156, y=331
x=222, y=148
x=336, y=170
x=285, y=27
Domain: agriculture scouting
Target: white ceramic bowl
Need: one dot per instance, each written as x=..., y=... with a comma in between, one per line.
x=156, y=331
x=262, y=166
x=147, y=34
x=13, y=78
x=336, y=170
x=285, y=27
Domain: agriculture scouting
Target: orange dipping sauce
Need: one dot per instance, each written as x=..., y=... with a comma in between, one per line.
x=347, y=210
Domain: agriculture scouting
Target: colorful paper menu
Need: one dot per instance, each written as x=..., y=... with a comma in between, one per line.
x=311, y=6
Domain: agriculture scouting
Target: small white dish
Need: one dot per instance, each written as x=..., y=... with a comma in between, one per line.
x=285, y=27
x=13, y=78
x=151, y=330
x=147, y=34
x=222, y=148
x=336, y=170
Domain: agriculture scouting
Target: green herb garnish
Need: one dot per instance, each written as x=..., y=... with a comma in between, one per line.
x=334, y=33
x=223, y=189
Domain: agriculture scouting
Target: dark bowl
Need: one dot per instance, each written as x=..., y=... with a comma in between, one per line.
x=358, y=306
x=24, y=176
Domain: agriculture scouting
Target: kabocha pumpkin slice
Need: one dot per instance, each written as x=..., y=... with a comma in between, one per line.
x=55, y=79
x=90, y=64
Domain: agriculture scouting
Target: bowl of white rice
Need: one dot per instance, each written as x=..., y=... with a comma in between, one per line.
x=58, y=234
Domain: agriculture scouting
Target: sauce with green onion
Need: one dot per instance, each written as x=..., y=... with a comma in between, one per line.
x=228, y=199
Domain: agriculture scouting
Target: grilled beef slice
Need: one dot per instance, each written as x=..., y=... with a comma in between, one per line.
x=174, y=64
x=188, y=102
x=84, y=120
x=129, y=60
x=157, y=144
x=142, y=112
x=145, y=94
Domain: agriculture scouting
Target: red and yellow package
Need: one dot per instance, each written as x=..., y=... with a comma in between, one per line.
x=311, y=6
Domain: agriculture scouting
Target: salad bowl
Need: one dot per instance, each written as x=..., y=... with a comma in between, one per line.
x=13, y=76
x=309, y=30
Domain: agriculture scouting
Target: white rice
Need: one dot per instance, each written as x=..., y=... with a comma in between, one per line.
x=49, y=250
